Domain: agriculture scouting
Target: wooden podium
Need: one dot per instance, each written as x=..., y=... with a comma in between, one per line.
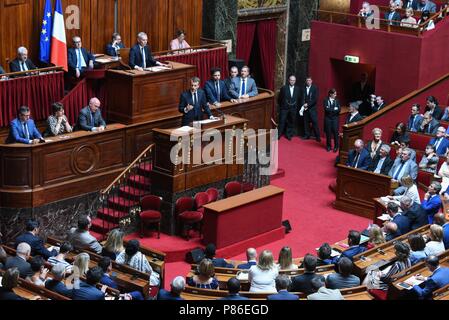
x=139, y=96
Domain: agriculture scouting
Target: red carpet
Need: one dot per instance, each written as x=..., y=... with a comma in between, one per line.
x=307, y=204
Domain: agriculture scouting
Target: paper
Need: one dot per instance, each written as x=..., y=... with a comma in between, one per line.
x=157, y=69
x=363, y=239
x=413, y=281
x=301, y=112
x=184, y=129
x=242, y=275
x=103, y=60
x=385, y=199
x=384, y=217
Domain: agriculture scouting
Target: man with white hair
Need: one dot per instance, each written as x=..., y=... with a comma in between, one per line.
x=21, y=63
x=79, y=59
x=359, y=157
x=90, y=118
x=366, y=10
x=20, y=260
x=177, y=287
x=382, y=162
x=140, y=56
x=251, y=256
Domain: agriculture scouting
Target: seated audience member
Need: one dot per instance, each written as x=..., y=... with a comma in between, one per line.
x=243, y=87
x=359, y=157
x=373, y=146
x=393, y=16
x=23, y=130
x=81, y=264
x=440, y=220
x=445, y=116
x=57, y=123
x=429, y=125
x=366, y=10
x=90, y=118
x=431, y=203
x=437, y=280
x=177, y=287
x=391, y=231
x=324, y=255
x=36, y=243
x=429, y=160
x=354, y=114
x=19, y=261
x=405, y=144
x=137, y=260
x=436, y=245
x=354, y=246
x=444, y=174
x=426, y=5
x=3, y=257
x=233, y=286
x=425, y=18
x=382, y=162
x=215, y=88
x=376, y=237
x=417, y=246
x=343, y=278
x=411, y=190
x=209, y=253
x=140, y=56
x=79, y=59
x=21, y=63
x=2, y=71
x=87, y=289
x=10, y=280
x=285, y=260
x=379, y=105
x=399, y=135
x=403, y=166
x=320, y=292
x=114, y=244
x=39, y=275
x=193, y=103
x=413, y=211
x=56, y=284
x=180, y=41
x=65, y=249
x=433, y=108
x=402, y=222
x=283, y=282
x=409, y=21
x=416, y=119
x=233, y=73
x=302, y=283
x=262, y=276
x=440, y=143
x=251, y=256
x=205, y=276
x=80, y=237
x=113, y=48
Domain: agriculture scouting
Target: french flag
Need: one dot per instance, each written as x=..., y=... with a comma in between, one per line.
x=58, y=42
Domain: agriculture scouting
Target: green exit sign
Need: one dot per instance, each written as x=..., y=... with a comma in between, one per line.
x=352, y=59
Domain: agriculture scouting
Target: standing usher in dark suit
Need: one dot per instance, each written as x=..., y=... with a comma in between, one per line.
x=288, y=107
x=311, y=114
x=200, y=106
x=136, y=58
x=331, y=121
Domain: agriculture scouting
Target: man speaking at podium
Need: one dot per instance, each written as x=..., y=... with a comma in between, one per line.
x=193, y=103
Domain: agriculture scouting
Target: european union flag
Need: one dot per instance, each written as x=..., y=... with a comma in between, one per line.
x=46, y=33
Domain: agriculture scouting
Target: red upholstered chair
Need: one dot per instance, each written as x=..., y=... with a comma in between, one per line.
x=247, y=187
x=233, y=188
x=150, y=214
x=213, y=194
x=201, y=199
x=186, y=217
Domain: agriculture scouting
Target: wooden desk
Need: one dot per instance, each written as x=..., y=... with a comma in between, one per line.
x=243, y=217
x=379, y=209
x=442, y=294
x=138, y=96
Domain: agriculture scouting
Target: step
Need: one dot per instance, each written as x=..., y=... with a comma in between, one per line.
x=122, y=204
x=140, y=181
x=145, y=169
x=98, y=236
x=103, y=227
x=132, y=193
x=111, y=215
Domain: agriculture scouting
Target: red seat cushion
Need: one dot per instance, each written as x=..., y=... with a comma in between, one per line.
x=191, y=216
x=150, y=215
x=378, y=294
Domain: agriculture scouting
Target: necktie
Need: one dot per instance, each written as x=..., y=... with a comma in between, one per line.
x=356, y=160
x=437, y=144
x=243, y=87
x=396, y=175
x=91, y=119
x=195, y=99
x=22, y=66
x=79, y=59
x=25, y=131
x=413, y=123
x=144, y=61
x=379, y=165
x=217, y=89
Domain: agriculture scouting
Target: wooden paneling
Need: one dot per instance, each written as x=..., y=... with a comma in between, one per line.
x=21, y=22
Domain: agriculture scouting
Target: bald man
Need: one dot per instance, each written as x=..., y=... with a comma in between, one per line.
x=90, y=118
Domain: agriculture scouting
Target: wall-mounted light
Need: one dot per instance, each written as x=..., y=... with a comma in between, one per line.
x=352, y=59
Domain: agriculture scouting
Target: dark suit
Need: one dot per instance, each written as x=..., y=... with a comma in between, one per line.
x=437, y=112
x=36, y=244
x=351, y=252
x=430, y=128
x=87, y=292
x=247, y=266
x=402, y=222
x=14, y=65
x=72, y=60
x=58, y=287
x=17, y=133
x=1, y=70
x=359, y=93
x=410, y=4
x=350, y=119
x=19, y=263
x=417, y=216
x=288, y=107
x=221, y=263
x=303, y=282
x=234, y=296
x=283, y=295
x=386, y=166
x=136, y=59
x=311, y=114
x=212, y=94
x=200, y=107
x=331, y=121
x=378, y=107
x=87, y=121
x=395, y=18
x=414, y=123
x=364, y=159
x=432, y=7
x=9, y=295
x=111, y=51
x=166, y=295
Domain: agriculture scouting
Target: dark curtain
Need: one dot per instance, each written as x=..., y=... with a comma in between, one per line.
x=266, y=33
x=245, y=39
x=76, y=99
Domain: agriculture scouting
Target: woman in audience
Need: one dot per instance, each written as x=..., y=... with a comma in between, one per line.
x=57, y=123
x=205, y=276
x=376, y=237
x=114, y=244
x=285, y=259
x=179, y=42
x=436, y=245
x=425, y=16
x=40, y=272
x=10, y=280
x=399, y=135
x=64, y=250
x=263, y=275
x=81, y=263
x=409, y=21
x=373, y=146
x=444, y=174
x=429, y=161
x=135, y=259
x=411, y=190
x=417, y=245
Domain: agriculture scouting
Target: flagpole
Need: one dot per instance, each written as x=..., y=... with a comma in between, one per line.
x=116, y=16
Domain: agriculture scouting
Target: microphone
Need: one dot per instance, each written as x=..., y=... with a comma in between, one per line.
x=219, y=111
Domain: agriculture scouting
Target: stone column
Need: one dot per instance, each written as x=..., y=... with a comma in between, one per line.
x=220, y=21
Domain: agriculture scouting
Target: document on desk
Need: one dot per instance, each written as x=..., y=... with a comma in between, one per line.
x=103, y=60
x=384, y=217
x=413, y=281
x=184, y=129
x=157, y=69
